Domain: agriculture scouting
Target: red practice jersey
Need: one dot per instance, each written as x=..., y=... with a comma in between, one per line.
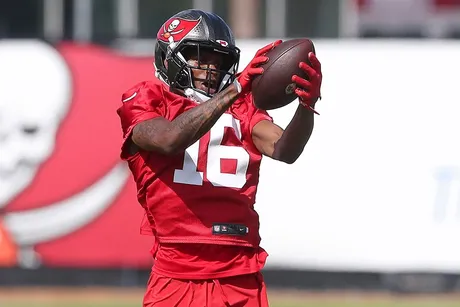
x=206, y=194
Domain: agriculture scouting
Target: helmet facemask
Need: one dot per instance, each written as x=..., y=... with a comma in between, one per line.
x=188, y=57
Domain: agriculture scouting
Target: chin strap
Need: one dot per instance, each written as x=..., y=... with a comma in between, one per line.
x=196, y=96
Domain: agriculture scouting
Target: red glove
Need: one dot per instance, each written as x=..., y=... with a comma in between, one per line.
x=253, y=69
x=309, y=90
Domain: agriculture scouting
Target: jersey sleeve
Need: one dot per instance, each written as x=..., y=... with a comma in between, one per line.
x=256, y=115
x=139, y=103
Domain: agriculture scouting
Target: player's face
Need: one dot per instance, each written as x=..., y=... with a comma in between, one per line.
x=205, y=77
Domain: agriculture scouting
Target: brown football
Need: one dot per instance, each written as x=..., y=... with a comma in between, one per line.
x=274, y=88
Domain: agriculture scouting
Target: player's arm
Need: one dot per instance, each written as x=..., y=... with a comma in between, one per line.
x=169, y=137
x=287, y=145
x=284, y=145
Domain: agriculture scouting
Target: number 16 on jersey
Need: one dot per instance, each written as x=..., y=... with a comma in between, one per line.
x=216, y=152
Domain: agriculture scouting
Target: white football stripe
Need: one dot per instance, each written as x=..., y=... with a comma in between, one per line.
x=130, y=97
x=56, y=220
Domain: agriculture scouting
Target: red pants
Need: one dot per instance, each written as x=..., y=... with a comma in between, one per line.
x=237, y=291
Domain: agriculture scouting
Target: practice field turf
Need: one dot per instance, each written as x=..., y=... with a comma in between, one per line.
x=351, y=304
x=96, y=297
x=108, y=303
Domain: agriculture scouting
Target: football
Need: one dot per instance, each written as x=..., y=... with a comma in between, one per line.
x=274, y=88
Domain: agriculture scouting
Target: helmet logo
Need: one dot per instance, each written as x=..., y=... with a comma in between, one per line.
x=175, y=29
x=222, y=42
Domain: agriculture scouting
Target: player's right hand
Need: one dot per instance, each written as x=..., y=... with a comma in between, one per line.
x=309, y=89
x=253, y=69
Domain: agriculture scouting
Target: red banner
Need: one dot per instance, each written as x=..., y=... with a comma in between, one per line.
x=67, y=199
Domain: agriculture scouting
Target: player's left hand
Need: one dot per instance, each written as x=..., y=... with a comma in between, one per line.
x=309, y=91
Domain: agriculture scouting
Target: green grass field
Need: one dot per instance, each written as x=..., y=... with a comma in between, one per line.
x=338, y=303
x=91, y=297
x=287, y=304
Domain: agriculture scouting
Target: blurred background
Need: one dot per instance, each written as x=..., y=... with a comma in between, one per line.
x=368, y=216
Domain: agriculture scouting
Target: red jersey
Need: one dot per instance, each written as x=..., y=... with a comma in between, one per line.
x=204, y=195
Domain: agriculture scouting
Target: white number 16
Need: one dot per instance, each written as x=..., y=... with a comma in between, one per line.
x=189, y=174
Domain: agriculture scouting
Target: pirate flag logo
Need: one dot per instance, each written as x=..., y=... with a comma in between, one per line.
x=175, y=29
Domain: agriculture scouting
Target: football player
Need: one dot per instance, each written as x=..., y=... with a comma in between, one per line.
x=194, y=140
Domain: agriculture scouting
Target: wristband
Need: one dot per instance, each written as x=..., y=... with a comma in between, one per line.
x=309, y=107
x=238, y=86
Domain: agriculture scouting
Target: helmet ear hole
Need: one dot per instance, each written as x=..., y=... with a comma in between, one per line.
x=163, y=58
x=178, y=75
x=183, y=79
